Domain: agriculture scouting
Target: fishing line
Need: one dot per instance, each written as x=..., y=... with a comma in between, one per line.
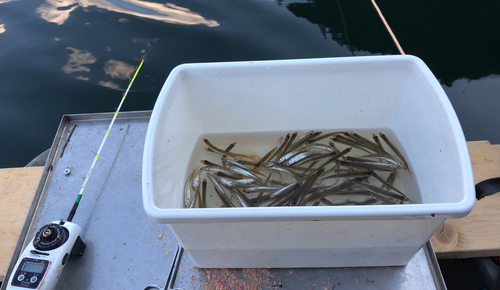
x=345, y=28
x=82, y=189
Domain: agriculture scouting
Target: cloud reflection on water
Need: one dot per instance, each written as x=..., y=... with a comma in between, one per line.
x=58, y=11
x=118, y=69
x=76, y=63
x=110, y=85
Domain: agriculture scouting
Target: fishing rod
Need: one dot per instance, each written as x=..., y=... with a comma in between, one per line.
x=42, y=261
x=82, y=189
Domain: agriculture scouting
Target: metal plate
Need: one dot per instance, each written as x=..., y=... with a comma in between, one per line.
x=125, y=250
x=421, y=273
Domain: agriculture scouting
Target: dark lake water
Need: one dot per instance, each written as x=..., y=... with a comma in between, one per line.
x=75, y=56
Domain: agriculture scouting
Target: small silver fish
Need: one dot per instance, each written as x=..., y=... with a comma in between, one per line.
x=245, y=201
x=261, y=189
x=298, y=157
x=236, y=182
x=220, y=191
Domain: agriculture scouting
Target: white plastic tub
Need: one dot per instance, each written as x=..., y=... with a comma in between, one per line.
x=395, y=92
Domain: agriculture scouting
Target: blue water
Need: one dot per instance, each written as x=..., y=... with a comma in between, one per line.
x=70, y=56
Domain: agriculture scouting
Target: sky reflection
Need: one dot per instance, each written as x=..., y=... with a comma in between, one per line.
x=77, y=67
x=76, y=63
x=58, y=11
x=110, y=85
x=118, y=69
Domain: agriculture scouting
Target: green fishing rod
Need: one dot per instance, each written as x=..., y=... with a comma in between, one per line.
x=82, y=189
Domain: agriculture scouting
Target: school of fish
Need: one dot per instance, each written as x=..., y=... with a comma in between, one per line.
x=311, y=170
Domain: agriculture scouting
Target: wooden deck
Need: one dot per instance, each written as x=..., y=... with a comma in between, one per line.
x=478, y=234
x=17, y=187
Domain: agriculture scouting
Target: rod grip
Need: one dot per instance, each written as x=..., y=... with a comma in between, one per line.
x=72, y=212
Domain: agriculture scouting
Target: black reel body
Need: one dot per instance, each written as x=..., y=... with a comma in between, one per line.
x=50, y=237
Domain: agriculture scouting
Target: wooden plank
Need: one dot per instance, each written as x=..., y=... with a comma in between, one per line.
x=17, y=187
x=478, y=234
